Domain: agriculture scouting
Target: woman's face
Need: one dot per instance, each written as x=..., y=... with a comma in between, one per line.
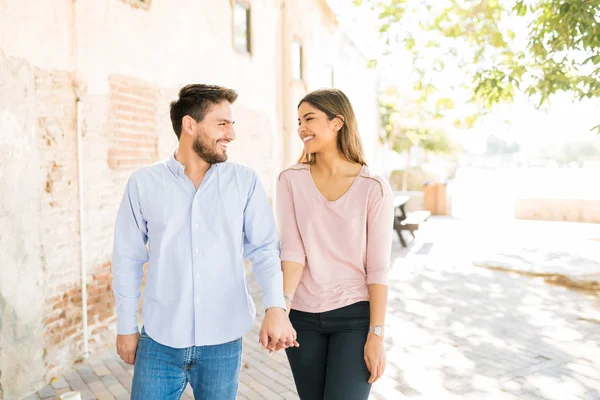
x=316, y=131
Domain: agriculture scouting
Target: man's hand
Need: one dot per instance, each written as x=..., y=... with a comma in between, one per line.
x=127, y=347
x=277, y=328
x=375, y=357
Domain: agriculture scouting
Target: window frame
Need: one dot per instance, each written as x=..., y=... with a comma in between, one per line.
x=143, y=4
x=247, y=6
x=300, y=67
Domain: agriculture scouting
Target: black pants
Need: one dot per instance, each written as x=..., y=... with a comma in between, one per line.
x=330, y=364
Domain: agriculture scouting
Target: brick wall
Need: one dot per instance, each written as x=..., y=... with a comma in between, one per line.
x=131, y=141
x=133, y=118
x=64, y=326
x=59, y=224
x=124, y=98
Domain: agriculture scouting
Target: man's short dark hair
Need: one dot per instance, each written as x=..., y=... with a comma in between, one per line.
x=195, y=100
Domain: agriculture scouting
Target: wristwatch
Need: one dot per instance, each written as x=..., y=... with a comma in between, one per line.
x=376, y=330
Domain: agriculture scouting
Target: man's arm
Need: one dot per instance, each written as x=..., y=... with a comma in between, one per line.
x=261, y=247
x=129, y=256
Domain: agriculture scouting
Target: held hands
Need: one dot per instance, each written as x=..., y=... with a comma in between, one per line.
x=127, y=347
x=277, y=332
x=375, y=357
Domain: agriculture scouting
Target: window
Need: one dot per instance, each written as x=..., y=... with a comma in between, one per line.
x=241, y=26
x=297, y=60
x=330, y=76
x=143, y=4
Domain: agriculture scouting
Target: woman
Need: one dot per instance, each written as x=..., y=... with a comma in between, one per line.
x=336, y=223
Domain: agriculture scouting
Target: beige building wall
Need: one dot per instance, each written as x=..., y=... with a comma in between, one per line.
x=328, y=58
x=572, y=210
x=111, y=67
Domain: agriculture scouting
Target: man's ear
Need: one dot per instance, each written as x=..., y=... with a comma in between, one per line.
x=187, y=125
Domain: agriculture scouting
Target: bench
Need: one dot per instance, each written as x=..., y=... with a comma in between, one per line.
x=407, y=222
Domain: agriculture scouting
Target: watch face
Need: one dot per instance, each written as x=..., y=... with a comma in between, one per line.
x=377, y=330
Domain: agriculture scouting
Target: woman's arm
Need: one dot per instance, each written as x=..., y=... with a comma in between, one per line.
x=378, y=295
x=380, y=221
x=292, y=273
x=293, y=256
x=374, y=348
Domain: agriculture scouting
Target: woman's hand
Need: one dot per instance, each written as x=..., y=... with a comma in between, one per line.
x=375, y=356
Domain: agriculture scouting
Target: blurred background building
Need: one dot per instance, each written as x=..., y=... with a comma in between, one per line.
x=508, y=179
x=84, y=100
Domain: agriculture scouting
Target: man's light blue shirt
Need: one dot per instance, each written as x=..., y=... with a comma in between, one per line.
x=196, y=291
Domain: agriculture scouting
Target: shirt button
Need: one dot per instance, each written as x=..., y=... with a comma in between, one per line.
x=198, y=275
x=197, y=301
x=197, y=251
x=196, y=226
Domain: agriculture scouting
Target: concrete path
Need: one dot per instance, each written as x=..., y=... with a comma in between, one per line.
x=454, y=331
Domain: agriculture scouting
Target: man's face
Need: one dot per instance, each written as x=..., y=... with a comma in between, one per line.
x=214, y=133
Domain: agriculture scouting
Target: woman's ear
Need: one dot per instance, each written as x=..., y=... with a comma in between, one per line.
x=338, y=122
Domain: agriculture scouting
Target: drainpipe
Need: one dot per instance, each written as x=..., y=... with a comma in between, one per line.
x=285, y=82
x=82, y=241
x=279, y=140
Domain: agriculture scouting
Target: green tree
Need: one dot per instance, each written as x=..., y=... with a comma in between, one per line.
x=497, y=145
x=408, y=123
x=557, y=49
x=578, y=151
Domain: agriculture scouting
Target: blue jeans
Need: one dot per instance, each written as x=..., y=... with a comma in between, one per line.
x=162, y=372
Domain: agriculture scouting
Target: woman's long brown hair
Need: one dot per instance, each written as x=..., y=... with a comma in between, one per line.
x=334, y=103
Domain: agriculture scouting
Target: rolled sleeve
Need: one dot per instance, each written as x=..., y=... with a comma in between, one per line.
x=380, y=223
x=292, y=247
x=377, y=275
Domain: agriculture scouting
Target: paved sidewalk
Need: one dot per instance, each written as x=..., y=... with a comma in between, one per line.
x=105, y=376
x=455, y=331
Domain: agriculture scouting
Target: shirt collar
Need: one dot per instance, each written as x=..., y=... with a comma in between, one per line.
x=177, y=168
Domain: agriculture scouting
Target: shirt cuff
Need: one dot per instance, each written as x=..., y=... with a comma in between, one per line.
x=294, y=254
x=275, y=297
x=377, y=276
x=126, y=326
x=126, y=315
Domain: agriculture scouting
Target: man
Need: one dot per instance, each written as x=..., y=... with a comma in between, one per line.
x=200, y=216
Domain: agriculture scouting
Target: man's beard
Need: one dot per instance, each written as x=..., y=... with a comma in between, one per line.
x=208, y=152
